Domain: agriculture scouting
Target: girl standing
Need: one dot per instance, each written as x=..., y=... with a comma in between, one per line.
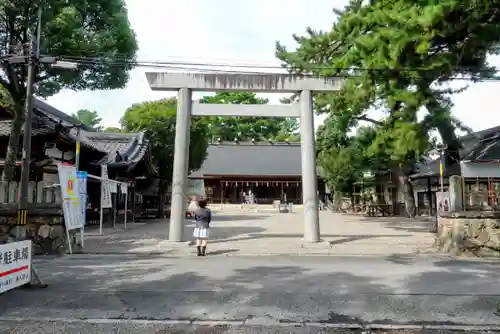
x=202, y=216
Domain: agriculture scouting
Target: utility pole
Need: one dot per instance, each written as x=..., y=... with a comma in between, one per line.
x=441, y=177
x=77, y=149
x=33, y=58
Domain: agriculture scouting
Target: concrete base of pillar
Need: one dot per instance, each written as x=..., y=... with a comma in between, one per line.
x=315, y=241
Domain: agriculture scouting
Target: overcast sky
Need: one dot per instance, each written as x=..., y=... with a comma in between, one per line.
x=234, y=32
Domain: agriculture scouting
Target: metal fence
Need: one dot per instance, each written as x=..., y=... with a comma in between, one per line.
x=42, y=192
x=481, y=194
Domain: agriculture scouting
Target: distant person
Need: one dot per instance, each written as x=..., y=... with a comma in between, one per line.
x=203, y=217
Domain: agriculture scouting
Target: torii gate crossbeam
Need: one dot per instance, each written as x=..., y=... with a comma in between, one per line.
x=185, y=83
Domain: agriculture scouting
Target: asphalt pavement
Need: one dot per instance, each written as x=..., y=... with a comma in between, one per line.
x=128, y=293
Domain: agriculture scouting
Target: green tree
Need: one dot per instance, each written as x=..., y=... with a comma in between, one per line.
x=92, y=32
x=157, y=120
x=344, y=157
x=248, y=128
x=113, y=129
x=88, y=117
x=396, y=56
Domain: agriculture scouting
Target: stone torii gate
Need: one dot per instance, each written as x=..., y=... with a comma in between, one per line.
x=185, y=83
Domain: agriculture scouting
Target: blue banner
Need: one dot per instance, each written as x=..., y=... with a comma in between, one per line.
x=82, y=190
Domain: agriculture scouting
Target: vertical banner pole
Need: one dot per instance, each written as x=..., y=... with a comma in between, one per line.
x=71, y=200
x=115, y=203
x=100, y=219
x=126, y=201
x=82, y=189
x=105, y=194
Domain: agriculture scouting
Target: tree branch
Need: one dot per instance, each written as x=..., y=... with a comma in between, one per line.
x=40, y=78
x=13, y=86
x=5, y=84
x=368, y=119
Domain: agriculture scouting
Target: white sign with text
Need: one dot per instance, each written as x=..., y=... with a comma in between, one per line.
x=15, y=265
x=70, y=193
x=105, y=189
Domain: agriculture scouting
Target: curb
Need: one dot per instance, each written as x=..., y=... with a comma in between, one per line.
x=187, y=254
x=253, y=323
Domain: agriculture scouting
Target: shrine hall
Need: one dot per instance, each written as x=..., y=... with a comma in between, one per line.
x=267, y=170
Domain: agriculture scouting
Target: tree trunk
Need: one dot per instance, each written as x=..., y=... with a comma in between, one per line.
x=9, y=169
x=379, y=194
x=353, y=203
x=408, y=195
x=446, y=132
x=161, y=198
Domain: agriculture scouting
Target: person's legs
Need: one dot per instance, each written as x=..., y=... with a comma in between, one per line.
x=198, y=247
x=204, y=243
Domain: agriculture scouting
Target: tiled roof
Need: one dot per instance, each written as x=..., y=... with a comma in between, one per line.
x=488, y=149
x=45, y=118
x=482, y=145
x=132, y=145
x=252, y=159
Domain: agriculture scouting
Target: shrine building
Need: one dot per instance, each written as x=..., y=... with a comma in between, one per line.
x=270, y=170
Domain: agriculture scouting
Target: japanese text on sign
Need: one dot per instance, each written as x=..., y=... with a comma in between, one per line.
x=15, y=265
x=73, y=216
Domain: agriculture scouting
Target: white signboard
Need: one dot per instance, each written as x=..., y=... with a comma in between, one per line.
x=443, y=204
x=105, y=189
x=70, y=193
x=82, y=186
x=124, y=188
x=196, y=188
x=113, y=187
x=15, y=265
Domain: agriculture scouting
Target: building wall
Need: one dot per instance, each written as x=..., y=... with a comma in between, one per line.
x=264, y=192
x=480, y=170
x=229, y=189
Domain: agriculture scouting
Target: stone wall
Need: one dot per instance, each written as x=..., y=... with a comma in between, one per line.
x=45, y=229
x=469, y=233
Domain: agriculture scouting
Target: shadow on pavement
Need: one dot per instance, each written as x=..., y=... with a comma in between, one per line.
x=238, y=217
x=149, y=289
x=416, y=225
x=345, y=238
x=221, y=252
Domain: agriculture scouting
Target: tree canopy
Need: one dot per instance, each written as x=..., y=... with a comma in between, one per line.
x=396, y=56
x=157, y=120
x=92, y=33
x=88, y=117
x=248, y=128
x=113, y=129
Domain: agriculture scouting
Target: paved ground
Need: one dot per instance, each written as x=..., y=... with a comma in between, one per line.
x=259, y=233
x=132, y=281
x=95, y=291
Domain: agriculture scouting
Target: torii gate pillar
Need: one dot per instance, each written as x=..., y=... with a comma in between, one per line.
x=185, y=83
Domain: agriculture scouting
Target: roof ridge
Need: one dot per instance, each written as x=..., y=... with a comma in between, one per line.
x=256, y=143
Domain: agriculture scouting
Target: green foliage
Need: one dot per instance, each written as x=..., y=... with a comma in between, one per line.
x=157, y=120
x=424, y=44
x=396, y=56
x=343, y=157
x=6, y=99
x=94, y=29
x=88, y=117
x=248, y=128
x=113, y=129
x=90, y=28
